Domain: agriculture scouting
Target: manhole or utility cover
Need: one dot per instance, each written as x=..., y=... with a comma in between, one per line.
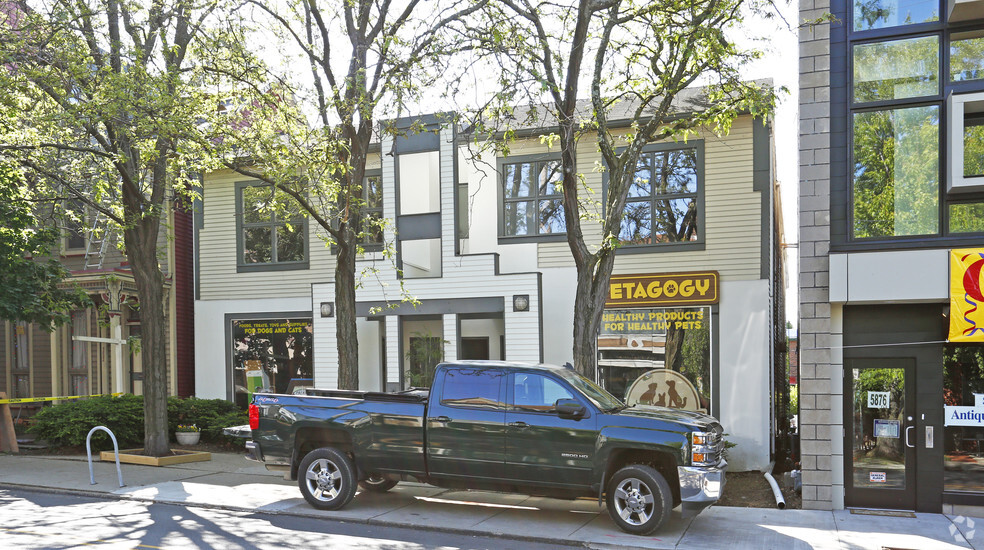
x=889, y=513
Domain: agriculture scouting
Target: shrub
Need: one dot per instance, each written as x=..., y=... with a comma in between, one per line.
x=210, y=415
x=68, y=424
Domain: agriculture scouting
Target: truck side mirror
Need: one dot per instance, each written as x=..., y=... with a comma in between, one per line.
x=569, y=408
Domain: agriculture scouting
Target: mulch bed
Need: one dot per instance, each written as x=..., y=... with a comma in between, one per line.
x=751, y=490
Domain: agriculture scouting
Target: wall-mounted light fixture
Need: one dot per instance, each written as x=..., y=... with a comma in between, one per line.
x=327, y=309
x=521, y=302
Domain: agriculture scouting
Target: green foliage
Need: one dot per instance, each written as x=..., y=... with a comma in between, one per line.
x=794, y=399
x=424, y=353
x=209, y=415
x=29, y=283
x=68, y=423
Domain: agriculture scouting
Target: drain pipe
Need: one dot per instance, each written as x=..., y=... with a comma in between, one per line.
x=780, y=502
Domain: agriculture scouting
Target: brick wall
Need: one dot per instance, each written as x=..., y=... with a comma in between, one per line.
x=815, y=418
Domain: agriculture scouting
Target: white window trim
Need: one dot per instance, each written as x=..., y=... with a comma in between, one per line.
x=955, y=180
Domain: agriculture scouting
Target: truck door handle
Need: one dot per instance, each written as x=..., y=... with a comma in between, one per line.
x=442, y=419
x=520, y=425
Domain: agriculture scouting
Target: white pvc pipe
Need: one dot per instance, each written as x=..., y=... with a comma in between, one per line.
x=780, y=501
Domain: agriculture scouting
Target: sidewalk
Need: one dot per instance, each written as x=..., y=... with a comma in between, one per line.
x=230, y=481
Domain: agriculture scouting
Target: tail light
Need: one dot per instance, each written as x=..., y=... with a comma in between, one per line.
x=254, y=417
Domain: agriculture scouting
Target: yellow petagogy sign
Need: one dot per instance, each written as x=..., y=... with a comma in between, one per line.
x=663, y=289
x=966, y=297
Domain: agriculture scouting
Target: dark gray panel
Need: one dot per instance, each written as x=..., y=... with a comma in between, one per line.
x=762, y=182
x=492, y=304
x=427, y=140
x=419, y=226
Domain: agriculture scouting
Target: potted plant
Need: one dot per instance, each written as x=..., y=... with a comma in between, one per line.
x=187, y=434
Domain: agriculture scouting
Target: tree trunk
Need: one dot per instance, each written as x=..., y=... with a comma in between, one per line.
x=345, y=316
x=141, y=248
x=589, y=307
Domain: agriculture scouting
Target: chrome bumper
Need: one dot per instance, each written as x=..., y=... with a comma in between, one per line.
x=253, y=452
x=701, y=486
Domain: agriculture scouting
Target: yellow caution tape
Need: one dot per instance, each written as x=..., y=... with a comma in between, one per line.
x=37, y=399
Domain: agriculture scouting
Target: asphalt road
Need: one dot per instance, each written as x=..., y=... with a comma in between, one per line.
x=55, y=521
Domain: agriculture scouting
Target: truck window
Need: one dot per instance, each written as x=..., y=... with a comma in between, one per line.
x=472, y=388
x=537, y=393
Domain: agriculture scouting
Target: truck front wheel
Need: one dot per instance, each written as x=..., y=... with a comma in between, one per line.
x=639, y=499
x=327, y=478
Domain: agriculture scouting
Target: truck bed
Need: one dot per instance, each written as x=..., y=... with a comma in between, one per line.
x=414, y=395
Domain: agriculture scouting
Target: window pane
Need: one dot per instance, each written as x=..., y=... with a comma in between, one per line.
x=517, y=180
x=642, y=185
x=896, y=172
x=896, y=69
x=637, y=223
x=22, y=386
x=20, y=348
x=552, y=216
x=967, y=55
x=372, y=226
x=537, y=393
x=676, y=172
x=290, y=243
x=256, y=204
x=374, y=192
x=973, y=145
x=967, y=217
x=962, y=441
x=257, y=245
x=518, y=218
x=551, y=178
x=876, y=14
x=472, y=388
x=676, y=220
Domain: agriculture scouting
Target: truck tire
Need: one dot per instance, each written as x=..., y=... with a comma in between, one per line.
x=639, y=499
x=327, y=478
x=377, y=483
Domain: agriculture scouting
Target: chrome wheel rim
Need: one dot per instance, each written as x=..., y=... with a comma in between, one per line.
x=634, y=501
x=324, y=480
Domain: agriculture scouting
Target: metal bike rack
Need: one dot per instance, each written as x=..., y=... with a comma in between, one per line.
x=116, y=450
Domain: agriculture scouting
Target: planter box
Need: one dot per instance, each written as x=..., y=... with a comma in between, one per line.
x=132, y=456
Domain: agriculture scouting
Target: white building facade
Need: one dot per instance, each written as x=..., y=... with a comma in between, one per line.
x=694, y=319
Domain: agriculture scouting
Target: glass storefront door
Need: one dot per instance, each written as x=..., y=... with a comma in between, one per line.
x=881, y=433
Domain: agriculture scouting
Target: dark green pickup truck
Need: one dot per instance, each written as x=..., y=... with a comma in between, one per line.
x=532, y=429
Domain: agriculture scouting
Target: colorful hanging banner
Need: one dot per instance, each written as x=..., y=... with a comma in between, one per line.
x=966, y=297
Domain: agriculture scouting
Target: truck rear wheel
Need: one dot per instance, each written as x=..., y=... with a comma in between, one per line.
x=327, y=478
x=639, y=499
x=377, y=483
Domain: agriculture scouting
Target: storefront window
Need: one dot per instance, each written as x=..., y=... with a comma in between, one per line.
x=275, y=354
x=657, y=356
x=963, y=408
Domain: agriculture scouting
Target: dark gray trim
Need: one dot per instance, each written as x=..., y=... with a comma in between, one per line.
x=539, y=297
x=414, y=227
x=274, y=266
x=228, y=318
x=457, y=184
x=491, y=304
x=715, y=361
x=500, y=201
x=428, y=140
x=198, y=223
x=699, y=244
x=762, y=182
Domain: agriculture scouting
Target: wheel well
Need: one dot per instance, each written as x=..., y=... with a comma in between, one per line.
x=309, y=439
x=664, y=463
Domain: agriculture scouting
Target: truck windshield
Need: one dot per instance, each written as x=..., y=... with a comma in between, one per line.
x=601, y=398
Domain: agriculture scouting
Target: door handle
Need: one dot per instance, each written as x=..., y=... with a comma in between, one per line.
x=442, y=419
x=907, y=443
x=520, y=425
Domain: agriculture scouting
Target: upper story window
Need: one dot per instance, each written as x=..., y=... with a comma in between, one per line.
x=532, y=204
x=268, y=237
x=75, y=229
x=663, y=201
x=371, y=213
x=877, y=14
x=915, y=121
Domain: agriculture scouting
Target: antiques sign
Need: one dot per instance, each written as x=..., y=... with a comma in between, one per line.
x=670, y=289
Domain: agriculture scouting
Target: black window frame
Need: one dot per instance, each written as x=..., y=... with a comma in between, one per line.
x=843, y=39
x=366, y=209
x=274, y=265
x=670, y=246
x=535, y=197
